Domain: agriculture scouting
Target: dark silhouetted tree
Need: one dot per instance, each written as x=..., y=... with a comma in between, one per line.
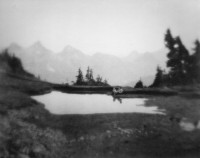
x=98, y=79
x=91, y=74
x=16, y=64
x=170, y=44
x=105, y=82
x=194, y=63
x=178, y=59
x=158, y=81
x=90, y=81
x=139, y=84
x=12, y=64
x=87, y=76
x=80, y=79
x=183, y=61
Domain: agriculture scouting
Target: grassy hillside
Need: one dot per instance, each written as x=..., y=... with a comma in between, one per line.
x=15, y=104
x=11, y=64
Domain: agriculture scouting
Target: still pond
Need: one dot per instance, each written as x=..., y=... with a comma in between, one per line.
x=65, y=103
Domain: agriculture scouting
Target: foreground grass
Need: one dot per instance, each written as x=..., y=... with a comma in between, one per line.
x=28, y=130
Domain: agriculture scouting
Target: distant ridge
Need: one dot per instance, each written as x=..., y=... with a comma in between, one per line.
x=62, y=67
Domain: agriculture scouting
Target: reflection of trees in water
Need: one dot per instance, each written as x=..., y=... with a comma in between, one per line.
x=118, y=99
x=190, y=125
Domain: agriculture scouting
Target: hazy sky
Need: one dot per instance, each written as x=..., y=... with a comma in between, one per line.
x=109, y=26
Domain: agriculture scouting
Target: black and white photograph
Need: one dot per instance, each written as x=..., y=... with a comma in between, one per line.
x=99, y=78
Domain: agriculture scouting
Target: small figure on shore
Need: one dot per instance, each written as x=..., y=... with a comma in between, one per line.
x=117, y=90
x=114, y=91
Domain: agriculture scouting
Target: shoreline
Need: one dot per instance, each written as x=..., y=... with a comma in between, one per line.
x=108, y=90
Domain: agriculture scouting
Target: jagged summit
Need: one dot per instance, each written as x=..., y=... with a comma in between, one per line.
x=133, y=54
x=71, y=50
x=39, y=49
x=37, y=45
x=14, y=46
x=56, y=67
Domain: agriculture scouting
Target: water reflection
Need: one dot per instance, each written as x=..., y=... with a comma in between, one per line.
x=64, y=103
x=118, y=99
x=189, y=125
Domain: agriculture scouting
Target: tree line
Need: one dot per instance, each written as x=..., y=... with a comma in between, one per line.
x=89, y=80
x=183, y=66
x=12, y=64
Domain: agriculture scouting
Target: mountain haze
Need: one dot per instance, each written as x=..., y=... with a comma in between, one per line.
x=62, y=67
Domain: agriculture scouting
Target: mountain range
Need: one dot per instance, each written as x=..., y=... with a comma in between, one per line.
x=62, y=67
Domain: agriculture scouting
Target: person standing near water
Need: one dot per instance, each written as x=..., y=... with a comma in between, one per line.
x=119, y=90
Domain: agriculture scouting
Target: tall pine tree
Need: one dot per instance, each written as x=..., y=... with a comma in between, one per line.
x=87, y=76
x=80, y=79
x=178, y=59
x=158, y=81
x=183, y=62
x=91, y=75
x=139, y=84
x=195, y=63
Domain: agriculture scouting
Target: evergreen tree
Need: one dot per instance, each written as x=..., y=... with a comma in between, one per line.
x=195, y=63
x=89, y=79
x=16, y=64
x=170, y=44
x=197, y=50
x=79, y=80
x=99, y=79
x=139, y=84
x=105, y=82
x=158, y=81
x=91, y=75
x=183, y=61
x=178, y=59
x=87, y=76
